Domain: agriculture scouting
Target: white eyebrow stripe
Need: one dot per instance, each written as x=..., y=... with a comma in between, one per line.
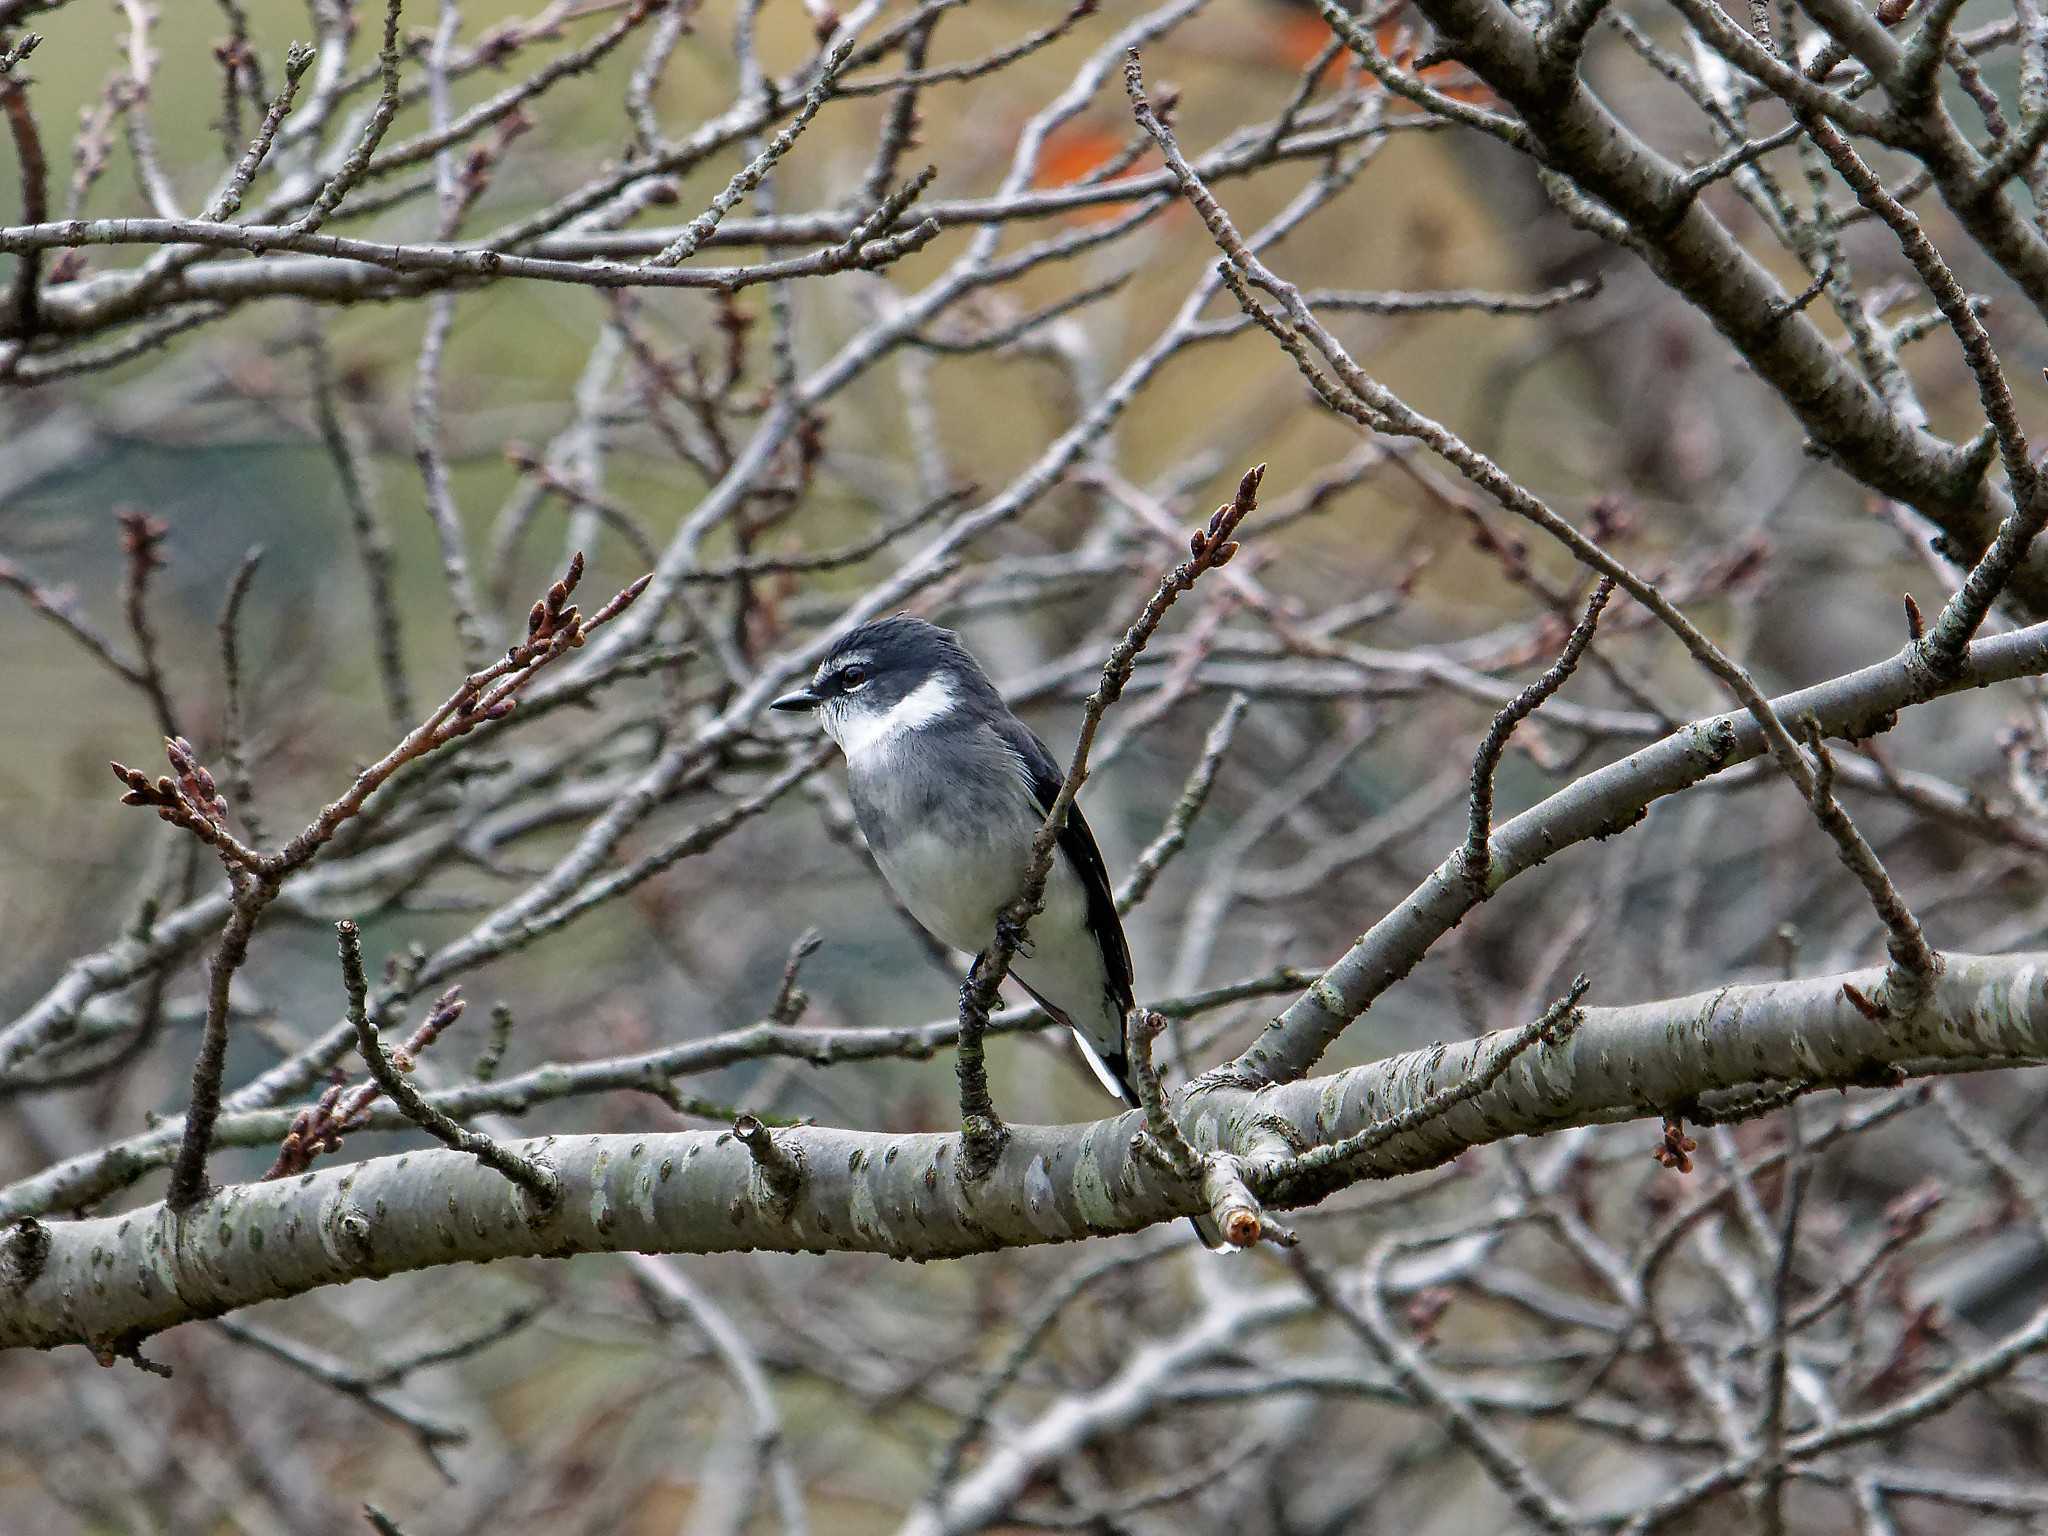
x=861, y=733
x=840, y=663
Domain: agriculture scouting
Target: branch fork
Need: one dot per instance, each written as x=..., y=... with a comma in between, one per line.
x=390, y=1070
x=1221, y=1177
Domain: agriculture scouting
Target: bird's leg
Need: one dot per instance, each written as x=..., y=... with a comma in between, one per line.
x=971, y=999
x=1010, y=934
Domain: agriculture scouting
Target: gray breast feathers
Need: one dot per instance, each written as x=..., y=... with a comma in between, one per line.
x=963, y=785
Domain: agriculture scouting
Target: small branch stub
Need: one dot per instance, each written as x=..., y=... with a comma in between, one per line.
x=1239, y=1217
x=1235, y=1215
x=23, y=1254
x=781, y=1167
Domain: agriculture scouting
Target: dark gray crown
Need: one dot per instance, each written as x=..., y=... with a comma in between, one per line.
x=900, y=652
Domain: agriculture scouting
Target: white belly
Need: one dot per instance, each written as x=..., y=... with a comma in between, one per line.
x=955, y=892
x=953, y=889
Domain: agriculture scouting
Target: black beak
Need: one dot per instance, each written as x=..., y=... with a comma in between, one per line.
x=800, y=702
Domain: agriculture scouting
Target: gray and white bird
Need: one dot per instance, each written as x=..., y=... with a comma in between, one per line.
x=949, y=789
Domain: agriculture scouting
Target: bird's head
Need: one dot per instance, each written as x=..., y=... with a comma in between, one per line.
x=887, y=678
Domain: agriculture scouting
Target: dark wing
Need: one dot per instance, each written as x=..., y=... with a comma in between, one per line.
x=1078, y=844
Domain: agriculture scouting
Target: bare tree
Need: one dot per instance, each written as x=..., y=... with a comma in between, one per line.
x=1589, y=939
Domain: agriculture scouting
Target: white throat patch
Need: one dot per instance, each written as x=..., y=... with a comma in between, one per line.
x=861, y=733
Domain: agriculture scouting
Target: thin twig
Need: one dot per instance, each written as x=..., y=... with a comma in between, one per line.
x=1194, y=794
x=142, y=540
x=530, y=1175
x=353, y=469
x=751, y=175
x=1914, y=962
x=35, y=181
x=234, y=744
x=1479, y=833
x=1771, y=1487
x=351, y=169
x=228, y=202
x=1502, y=1463
x=1553, y=1028
x=60, y=607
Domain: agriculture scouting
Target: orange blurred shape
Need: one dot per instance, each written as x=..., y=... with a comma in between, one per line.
x=1301, y=35
x=1074, y=152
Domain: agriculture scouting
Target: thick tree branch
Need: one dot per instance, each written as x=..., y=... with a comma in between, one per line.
x=109, y=1282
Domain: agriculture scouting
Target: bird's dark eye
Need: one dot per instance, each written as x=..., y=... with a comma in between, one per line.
x=853, y=679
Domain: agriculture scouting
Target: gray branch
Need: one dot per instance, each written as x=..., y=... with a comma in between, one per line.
x=110, y=1282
